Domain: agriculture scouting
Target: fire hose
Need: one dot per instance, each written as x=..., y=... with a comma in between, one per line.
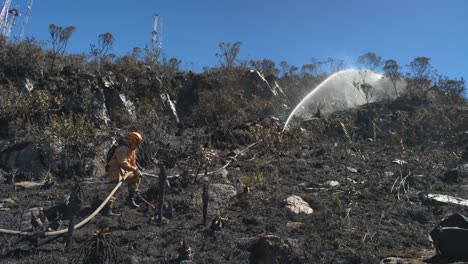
x=79, y=225
x=91, y=216
x=210, y=172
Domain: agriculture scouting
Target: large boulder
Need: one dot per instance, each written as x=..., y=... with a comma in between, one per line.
x=255, y=84
x=98, y=111
x=169, y=104
x=121, y=109
x=23, y=156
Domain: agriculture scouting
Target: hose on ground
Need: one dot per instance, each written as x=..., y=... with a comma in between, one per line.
x=77, y=226
x=91, y=216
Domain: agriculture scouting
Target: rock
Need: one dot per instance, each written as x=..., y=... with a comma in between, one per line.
x=3, y=175
x=119, y=107
x=132, y=260
x=398, y=260
x=269, y=249
x=205, y=180
x=351, y=180
x=254, y=83
x=28, y=85
x=464, y=157
x=297, y=205
x=253, y=220
x=28, y=184
x=398, y=161
x=22, y=156
x=265, y=249
x=107, y=81
x=351, y=169
x=169, y=103
x=129, y=106
x=218, y=193
x=9, y=203
x=333, y=183
x=451, y=176
x=98, y=111
x=456, y=175
x=294, y=225
x=275, y=88
x=222, y=172
x=218, y=174
x=448, y=199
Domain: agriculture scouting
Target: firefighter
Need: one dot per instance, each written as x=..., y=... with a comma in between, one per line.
x=124, y=160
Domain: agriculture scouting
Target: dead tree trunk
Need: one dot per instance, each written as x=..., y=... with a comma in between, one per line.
x=162, y=191
x=74, y=206
x=205, y=197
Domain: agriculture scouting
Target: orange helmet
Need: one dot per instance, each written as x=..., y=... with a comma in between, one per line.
x=136, y=137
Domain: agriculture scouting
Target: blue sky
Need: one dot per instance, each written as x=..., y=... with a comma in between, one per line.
x=295, y=30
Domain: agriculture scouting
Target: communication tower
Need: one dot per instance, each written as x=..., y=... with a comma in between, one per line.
x=4, y=15
x=160, y=32
x=156, y=40
x=13, y=13
x=25, y=19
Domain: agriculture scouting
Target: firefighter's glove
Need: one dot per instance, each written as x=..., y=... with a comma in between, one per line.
x=137, y=174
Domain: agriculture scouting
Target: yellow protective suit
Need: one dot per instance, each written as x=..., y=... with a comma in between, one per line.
x=123, y=161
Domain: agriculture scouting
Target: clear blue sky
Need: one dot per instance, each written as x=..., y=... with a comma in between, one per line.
x=293, y=30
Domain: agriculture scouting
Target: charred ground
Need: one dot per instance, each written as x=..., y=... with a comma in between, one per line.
x=379, y=208
x=366, y=173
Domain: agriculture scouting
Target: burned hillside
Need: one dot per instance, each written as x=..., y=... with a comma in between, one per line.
x=362, y=185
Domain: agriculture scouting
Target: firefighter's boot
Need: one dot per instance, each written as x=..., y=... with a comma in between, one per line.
x=107, y=211
x=131, y=200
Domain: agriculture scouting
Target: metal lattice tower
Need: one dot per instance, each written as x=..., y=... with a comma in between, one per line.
x=4, y=16
x=25, y=19
x=154, y=33
x=156, y=40
x=160, y=32
x=13, y=13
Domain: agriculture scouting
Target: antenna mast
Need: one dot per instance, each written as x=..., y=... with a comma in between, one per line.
x=4, y=16
x=25, y=19
x=156, y=40
x=154, y=33
x=160, y=33
x=11, y=21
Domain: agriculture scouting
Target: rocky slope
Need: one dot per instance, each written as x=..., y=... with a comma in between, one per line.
x=360, y=184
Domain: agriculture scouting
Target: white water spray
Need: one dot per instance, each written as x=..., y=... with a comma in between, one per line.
x=340, y=92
